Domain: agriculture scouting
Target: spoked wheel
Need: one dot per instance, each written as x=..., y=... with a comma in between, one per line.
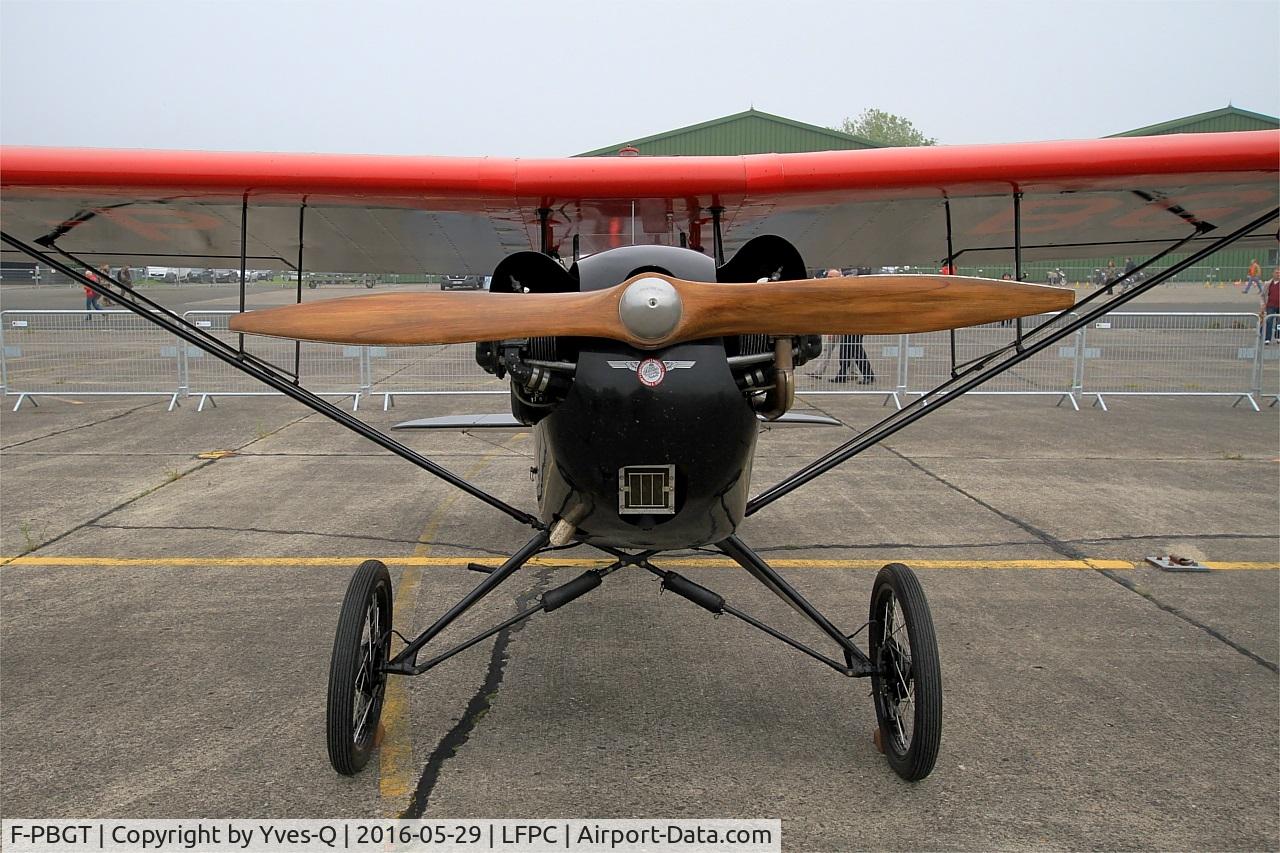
x=907, y=685
x=357, y=681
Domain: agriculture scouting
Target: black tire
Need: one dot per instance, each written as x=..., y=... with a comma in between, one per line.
x=909, y=705
x=357, y=682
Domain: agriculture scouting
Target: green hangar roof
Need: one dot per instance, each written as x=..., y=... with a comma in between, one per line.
x=750, y=132
x=756, y=132
x=1227, y=118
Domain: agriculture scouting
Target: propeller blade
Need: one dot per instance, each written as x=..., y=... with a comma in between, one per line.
x=653, y=310
x=867, y=305
x=404, y=319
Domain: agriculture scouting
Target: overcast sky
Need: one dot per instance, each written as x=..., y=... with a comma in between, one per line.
x=548, y=78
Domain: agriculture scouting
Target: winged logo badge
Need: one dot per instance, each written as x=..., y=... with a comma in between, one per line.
x=651, y=371
x=635, y=365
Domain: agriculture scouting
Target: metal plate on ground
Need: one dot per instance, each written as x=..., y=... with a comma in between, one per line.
x=1174, y=563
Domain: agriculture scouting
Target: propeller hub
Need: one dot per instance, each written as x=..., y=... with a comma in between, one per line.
x=650, y=308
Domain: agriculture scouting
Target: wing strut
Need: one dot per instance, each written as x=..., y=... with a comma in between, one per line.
x=259, y=369
x=302, y=226
x=717, y=238
x=1059, y=327
x=1017, y=260
x=951, y=270
x=244, y=248
x=544, y=230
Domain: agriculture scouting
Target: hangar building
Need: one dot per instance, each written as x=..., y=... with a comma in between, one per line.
x=750, y=132
x=757, y=132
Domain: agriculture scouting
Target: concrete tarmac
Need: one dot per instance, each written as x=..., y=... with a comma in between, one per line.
x=166, y=622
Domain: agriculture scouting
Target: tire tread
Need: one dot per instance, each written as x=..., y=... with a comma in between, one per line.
x=926, y=736
x=346, y=757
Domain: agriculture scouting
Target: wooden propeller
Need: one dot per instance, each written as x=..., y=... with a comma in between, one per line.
x=651, y=310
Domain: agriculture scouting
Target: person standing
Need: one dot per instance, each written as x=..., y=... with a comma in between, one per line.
x=1269, y=315
x=104, y=276
x=91, y=296
x=1110, y=275
x=1253, y=277
x=1127, y=278
x=852, y=352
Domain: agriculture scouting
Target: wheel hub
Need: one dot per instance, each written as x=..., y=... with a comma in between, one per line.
x=895, y=672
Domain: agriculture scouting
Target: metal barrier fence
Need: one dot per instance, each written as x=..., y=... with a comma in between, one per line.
x=1051, y=372
x=86, y=353
x=913, y=364
x=118, y=353
x=449, y=369
x=330, y=370
x=1151, y=354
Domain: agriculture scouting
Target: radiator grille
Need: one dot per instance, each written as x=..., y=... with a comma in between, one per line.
x=647, y=489
x=753, y=344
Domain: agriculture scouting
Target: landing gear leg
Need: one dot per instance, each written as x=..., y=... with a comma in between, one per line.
x=902, y=657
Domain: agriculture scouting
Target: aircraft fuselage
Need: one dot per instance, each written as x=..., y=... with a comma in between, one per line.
x=648, y=448
x=640, y=465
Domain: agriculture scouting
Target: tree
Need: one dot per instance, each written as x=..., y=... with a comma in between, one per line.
x=885, y=128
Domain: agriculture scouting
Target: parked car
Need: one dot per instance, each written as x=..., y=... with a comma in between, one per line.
x=162, y=273
x=198, y=274
x=226, y=275
x=462, y=282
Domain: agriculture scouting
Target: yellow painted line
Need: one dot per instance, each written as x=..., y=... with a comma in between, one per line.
x=397, y=775
x=1242, y=567
x=423, y=560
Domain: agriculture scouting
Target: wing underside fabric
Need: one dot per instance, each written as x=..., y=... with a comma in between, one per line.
x=1089, y=198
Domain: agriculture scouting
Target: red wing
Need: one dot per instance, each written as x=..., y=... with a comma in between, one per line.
x=433, y=214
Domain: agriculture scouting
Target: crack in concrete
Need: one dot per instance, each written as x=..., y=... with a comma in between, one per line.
x=64, y=534
x=1139, y=537
x=1065, y=549
x=100, y=454
x=1020, y=459
x=204, y=463
x=472, y=548
x=866, y=546
x=1042, y=536
x=363, y=455
x=1169, y=608
x=479, y=705
x=358, y=536
x=116, y=416
x=511, y=451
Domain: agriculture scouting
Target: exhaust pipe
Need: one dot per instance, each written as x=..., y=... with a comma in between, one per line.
x=777, y=400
